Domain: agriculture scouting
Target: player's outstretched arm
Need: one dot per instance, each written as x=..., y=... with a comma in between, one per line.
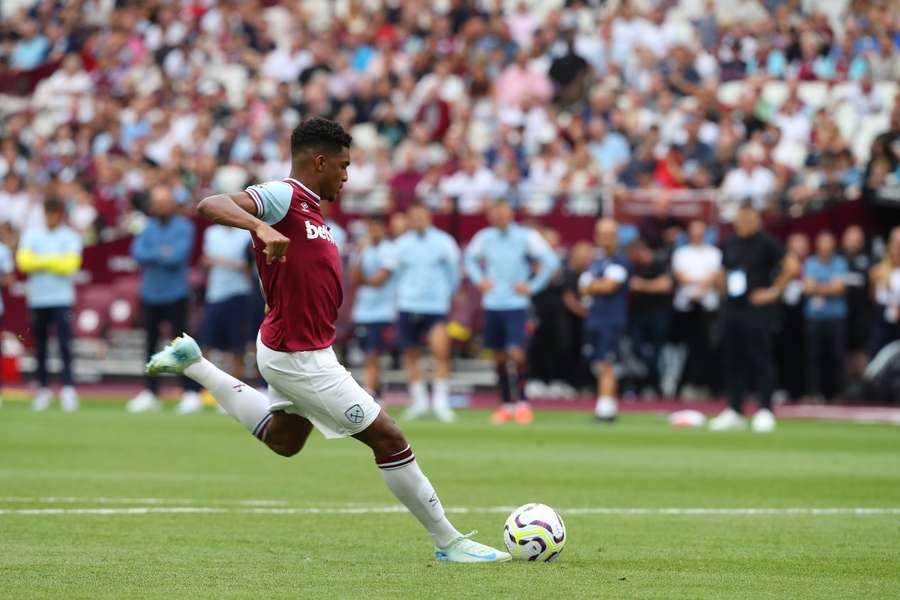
x=239, y=210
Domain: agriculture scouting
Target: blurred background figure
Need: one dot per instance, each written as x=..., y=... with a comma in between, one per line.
x=750, y=258
x=859, y=304
x=697, y=267
x=605, y=287
x=7, y=276
x=576, y=371
x=163, y=249
x=789, y=324
x=375, y=305
x=51, y=255
x=885, y=283
x=824, y=275
x=428, y=274
x=509, y=264
x=650, y=312
x=229, y=285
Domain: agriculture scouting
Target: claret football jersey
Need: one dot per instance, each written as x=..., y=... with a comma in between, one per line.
x=304, y=292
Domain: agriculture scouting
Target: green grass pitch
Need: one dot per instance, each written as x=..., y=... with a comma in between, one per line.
x=102, y=458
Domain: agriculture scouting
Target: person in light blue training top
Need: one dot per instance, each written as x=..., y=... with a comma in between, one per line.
x=51, y=256
x=375, y=306
x=427, y=276
x=337, y=232
x=228, y=288
x=508, y=263
x=7, y=276
x=605, y=288
x=825, y=284
x=163, y=249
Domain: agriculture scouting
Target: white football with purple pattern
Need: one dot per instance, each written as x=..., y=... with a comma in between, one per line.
x=534, y=532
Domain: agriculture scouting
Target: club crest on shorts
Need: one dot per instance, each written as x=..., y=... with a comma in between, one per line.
x=355, y=414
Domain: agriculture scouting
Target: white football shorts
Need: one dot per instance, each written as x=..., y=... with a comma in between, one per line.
x=316, y=385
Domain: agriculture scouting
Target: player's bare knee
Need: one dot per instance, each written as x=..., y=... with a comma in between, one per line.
x=285, y=446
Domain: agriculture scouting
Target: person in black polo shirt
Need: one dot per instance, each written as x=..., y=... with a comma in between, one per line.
x=859, y=303
x=650, y=310
x=756, y=271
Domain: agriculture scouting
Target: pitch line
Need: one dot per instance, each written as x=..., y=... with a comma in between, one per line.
x=360, y=510
x=119, y=500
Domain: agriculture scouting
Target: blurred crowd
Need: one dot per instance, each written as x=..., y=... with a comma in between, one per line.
x=453, y=102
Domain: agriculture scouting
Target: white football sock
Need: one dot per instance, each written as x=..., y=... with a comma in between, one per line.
x=241, y=401
x=405, y=479
x=441, y=394
x=418, y=394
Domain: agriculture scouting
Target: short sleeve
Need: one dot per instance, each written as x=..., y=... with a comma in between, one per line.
x=615, y=272
x=585, y=279
x=74, y=243
x=387, y=258
x=776, y=251
x=273, y=199
x=6, y=262
x=451, y=249
x=27, y=240
x=536, y=244
x=840, y=266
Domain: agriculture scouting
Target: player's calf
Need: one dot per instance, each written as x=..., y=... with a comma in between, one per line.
x=285, y=434
x=383, y=436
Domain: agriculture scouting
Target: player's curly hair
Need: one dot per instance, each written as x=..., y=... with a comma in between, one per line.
x=321, y=134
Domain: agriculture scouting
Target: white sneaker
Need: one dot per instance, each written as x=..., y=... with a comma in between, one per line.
x=143, y=402
x=181, y=352
x=728, y=420
x=606, y=409
x=68, y=399
x=464, y=550
x=444, y=414
x=190, y=403
x=42, y=400
x=416, y=410
x=763, y=421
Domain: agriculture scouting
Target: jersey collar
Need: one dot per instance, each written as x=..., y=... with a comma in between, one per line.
x=313, y=196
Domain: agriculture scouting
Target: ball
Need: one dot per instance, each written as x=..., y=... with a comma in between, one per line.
x=534, y=532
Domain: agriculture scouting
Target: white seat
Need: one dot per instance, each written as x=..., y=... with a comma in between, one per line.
x=845, y=118
x=869, y=128
x=775, y=92
x=365, y=136
x=813, y=93
x=843, y=91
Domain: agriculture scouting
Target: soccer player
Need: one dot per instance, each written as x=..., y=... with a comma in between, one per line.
x=228, y=290
x=51, y=256
x=605, y=283
x=375, y=307
x=300, y=272
x=427, y=276
x=500, y=260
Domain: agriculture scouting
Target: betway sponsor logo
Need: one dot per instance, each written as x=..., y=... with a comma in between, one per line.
x=314, y=231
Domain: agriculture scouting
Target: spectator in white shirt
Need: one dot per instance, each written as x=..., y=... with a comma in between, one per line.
x=794, y=123
x=697, y=267
x=286, y=63
x=749, y=182
x=472, y=186
x=522, y=24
